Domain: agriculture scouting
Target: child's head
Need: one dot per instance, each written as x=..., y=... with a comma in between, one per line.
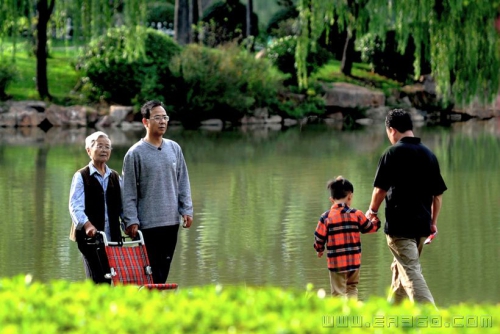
x=340, y=188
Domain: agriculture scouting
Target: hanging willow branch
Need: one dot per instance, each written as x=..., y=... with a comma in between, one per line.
x=89, y=18
x=460, y=36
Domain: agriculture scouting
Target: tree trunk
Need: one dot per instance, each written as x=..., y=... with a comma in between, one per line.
x=181, y=22
x=348, y=54
x=248, y=32
x=196, y=14
x=44, y=12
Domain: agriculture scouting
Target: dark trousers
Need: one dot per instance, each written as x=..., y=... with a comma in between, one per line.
x=95, y=262
x=160, y=245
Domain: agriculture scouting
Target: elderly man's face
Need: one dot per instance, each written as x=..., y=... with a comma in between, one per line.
x=100, y=151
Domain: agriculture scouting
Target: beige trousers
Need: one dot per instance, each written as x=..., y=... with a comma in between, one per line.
x=345, y=284
x=407, y=278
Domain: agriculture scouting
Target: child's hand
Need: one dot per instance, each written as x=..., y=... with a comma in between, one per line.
x=374, y=220
x=320, y=254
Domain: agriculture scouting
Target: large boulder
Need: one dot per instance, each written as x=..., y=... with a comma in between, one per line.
x=346, y=95
x=117, y=115
x=72, y=116
x=22, y=114
x=482, y=110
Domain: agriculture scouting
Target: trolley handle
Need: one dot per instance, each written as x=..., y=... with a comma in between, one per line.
x=139, y=239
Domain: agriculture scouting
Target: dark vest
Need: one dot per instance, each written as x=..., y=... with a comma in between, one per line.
x=94, y=203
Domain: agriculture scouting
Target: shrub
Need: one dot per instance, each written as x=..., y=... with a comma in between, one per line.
x=226, y=82
x=293, y=104
x=282, y=54
x=64, y=307
x=8, y=73
x=117, y=77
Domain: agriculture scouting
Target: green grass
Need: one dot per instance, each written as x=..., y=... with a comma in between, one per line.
x=361, y=75
x=62, y=76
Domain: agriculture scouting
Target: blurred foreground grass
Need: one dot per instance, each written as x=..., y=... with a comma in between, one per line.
x=82, y=307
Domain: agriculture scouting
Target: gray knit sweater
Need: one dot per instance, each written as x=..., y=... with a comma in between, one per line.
x=156, y=186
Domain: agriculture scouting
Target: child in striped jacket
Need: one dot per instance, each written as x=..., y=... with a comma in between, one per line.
x=339, y=229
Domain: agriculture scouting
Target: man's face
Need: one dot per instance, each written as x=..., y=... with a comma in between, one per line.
x=157, y=123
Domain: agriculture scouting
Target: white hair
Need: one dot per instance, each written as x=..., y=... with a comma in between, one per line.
x=90, y=140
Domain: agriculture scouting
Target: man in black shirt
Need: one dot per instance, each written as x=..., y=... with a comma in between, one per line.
x=409, y=178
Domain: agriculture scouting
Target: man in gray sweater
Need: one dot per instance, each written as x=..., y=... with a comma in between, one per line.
x=156, y=190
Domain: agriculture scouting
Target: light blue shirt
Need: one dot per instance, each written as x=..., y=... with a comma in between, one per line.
x=77, y=198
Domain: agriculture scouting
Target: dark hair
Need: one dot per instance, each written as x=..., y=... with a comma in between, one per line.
x=340, y=187
x=146, y=108
x=399, y=119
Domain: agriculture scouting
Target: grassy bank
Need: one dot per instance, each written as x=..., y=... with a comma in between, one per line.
x=64, y=307
x=61, y=74
x=63, y=77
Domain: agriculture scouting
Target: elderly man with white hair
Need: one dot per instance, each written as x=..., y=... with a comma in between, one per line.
x=95, y=205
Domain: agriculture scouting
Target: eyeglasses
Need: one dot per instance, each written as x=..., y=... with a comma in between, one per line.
x=103, y=147
x=157, y=119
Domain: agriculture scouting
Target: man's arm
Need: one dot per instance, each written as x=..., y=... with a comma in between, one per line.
x=129, y=196
x=378, y=196
x=184, y=200
x=437, y=202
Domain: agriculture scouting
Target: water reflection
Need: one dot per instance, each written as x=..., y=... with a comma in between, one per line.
x=257, y=196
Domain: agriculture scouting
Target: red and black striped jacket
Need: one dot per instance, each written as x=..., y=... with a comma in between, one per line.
x=340, y=229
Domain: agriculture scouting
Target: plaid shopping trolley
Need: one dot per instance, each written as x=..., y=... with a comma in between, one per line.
x=129, y=264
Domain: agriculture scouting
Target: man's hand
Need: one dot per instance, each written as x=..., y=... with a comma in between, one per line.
x=434, y=229
x=371, y=215
x=90, y=229
x=131, y=231
x=320, y=254
x=188, y=220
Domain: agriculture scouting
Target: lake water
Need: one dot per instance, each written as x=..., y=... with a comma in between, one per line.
x=258, y=194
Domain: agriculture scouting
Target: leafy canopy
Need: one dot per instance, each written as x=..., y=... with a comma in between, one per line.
x=458, y=38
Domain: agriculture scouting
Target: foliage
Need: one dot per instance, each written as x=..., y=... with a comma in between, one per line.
x=385, y=59
x=282, y=22
x=45, y=20
x=294, y=105
x=282, y=54
x=160, y=12
x=111, y=75
x=60, y=306
x=463, y=68
x=226, y=82
x=225, y=21
x=8, y=73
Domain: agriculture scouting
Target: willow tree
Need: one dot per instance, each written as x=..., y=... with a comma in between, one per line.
x=90, y=18
x=458, y=38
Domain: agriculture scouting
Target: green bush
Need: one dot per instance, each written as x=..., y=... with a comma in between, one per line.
x=293, y=105
x=64, y=307
x=281, y=52
x=8, y=73
x=113, y=74
x=226, y=83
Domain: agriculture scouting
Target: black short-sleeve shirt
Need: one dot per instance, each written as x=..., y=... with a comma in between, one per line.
x=410, y=174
